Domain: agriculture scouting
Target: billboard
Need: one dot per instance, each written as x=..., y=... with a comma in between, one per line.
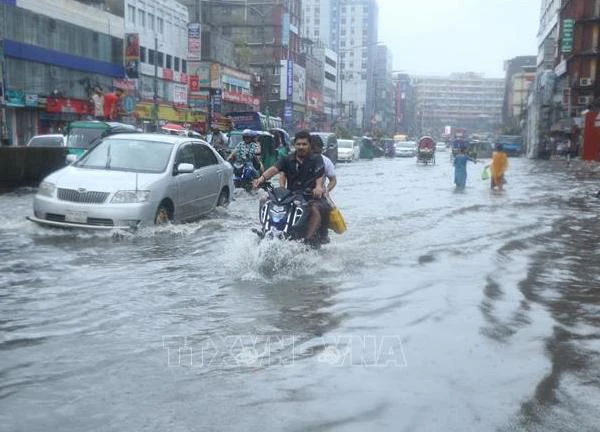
x=298, y=84
x=131, y=57
x=194, y=41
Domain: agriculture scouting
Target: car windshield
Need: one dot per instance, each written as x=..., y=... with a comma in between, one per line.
x=46, y=142
x=406, y=145
x=128, y=155
x=83, y=137
x=345, y=144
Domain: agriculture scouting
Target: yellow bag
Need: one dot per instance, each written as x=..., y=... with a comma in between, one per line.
x=336, y=220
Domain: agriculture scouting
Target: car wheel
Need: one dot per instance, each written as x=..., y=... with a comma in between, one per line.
x=163, y=215
x=223, y=200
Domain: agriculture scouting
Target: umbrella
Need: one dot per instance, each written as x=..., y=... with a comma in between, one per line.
x=173, y=126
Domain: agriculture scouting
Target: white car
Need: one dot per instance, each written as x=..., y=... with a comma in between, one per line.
x=128, y=180
x=50, y=140
x=348, y=151
x=440, y=146
x=405, y=148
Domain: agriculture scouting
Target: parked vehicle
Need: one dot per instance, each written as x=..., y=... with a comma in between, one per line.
x=367, y=149
x=348, y=151
x=50, y=140
x=330, y=148
x=254, y=120
x=440, y=146
x=405, y=148
x=82, y=135
x=129, y=180
x=512, y=145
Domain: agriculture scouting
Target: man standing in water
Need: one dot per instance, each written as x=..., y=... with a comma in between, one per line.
x=303, y=170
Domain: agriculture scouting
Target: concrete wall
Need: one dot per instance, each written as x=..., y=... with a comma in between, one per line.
x=27, y=166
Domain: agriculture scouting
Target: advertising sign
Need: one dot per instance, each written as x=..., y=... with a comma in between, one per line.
x=241, y=98
x=568, y=27
x=289, y=86
x=131, y=57
x=180, y=94
x=298, y=84
x=285, y=30
x=194, y=41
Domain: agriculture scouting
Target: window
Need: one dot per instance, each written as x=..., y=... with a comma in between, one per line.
x=143, y=54
x=131, y=13
x=176, y=64
x=186, y=155
x=183, y=66
x=160, y=24
x=150, y=21
x=160, y=59
x=169, y=61
x=204, y=156
x=141, y=18
x=151, y=56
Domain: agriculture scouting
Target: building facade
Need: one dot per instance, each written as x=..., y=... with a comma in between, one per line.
x=161, y=83
x=405, y=105
x=465, y=100
x=382, y=118
x=53, y=54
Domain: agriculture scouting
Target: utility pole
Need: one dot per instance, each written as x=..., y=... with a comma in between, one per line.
x=155, y=107
x=4, y=139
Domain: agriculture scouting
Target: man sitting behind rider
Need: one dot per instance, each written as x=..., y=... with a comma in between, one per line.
x=246, y=150
x=303, y=170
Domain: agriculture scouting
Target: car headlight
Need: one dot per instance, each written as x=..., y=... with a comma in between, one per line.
x=127, y=197
x=46, y=189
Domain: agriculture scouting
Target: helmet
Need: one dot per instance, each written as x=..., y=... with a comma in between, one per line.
x=253, y=134
x=248, y=133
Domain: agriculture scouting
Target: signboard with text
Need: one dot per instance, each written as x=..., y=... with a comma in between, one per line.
x=568, y=27
x=132, y=55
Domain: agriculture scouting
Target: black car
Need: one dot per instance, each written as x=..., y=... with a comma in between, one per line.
x=330, y=147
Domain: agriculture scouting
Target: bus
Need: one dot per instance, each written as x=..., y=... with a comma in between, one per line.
x=254, y=120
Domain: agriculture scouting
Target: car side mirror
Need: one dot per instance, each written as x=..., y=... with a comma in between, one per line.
x=71, y=158
x=185, y=168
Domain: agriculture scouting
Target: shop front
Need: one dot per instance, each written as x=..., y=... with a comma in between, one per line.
x=169, y=114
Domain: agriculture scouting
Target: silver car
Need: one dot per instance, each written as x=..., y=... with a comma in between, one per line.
x=129, y=180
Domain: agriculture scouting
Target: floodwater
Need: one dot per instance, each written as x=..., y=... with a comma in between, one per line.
x=435, y=311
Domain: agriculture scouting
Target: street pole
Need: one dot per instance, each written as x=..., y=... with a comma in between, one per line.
x=155, y=107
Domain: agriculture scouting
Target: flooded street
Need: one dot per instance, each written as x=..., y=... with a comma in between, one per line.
x=435, y=311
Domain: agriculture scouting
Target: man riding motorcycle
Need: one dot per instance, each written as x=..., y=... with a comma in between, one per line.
x=304, y=171
x=246, y=151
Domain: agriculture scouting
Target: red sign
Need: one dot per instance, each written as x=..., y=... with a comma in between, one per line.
x=168, y=74
x=241, y=98
x=194, y=83
x=591, y=136
x=62, y=105
x=314, y=100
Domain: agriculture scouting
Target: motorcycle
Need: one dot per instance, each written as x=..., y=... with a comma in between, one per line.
x=243, y=174
x=284, y=215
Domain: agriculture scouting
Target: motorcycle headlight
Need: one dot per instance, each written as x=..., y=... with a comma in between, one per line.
x=277, y=208
x=128, y=197
x=46, y=189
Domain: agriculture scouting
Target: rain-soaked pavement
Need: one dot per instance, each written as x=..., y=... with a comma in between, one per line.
x=436, y=311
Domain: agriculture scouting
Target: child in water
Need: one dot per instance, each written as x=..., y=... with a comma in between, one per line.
x=460, y=168
x=498, y=168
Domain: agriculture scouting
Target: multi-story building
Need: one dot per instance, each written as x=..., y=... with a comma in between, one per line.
x=539, y=115
x=161, y=26
x=54, y=53
x=320, y=21
x=382, y=119
x=267, y=42
x=512, y=67
x=329, y=59
x=465, y=100
x=516, y=99
x=358, y=20
x=405, y=103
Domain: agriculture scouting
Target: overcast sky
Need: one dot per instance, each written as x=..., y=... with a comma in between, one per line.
x=438, y=37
